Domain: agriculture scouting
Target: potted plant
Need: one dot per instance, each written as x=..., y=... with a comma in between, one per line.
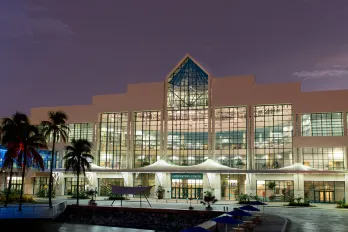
x=272, y=197
x=271, y=185
x=92, y=193
x=160, y=192
x=209, y=199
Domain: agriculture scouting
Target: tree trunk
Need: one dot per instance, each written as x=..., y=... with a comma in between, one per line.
x=23, y=173
x=9, y=185
x=78, y=181
x=78, y=188
x=50, y=185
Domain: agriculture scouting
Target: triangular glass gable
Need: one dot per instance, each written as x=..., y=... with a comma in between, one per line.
x=189, y=72
x=188, y=86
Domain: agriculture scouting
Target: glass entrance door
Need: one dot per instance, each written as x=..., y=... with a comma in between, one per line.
x=324, y=196
x=187, y=188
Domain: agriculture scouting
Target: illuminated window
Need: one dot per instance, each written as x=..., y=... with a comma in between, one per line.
x=322, y=124
x=187, y=107
x=146, y=138
x=273, y=136
x=113, y=140
x=327, y=158
x=231, y=136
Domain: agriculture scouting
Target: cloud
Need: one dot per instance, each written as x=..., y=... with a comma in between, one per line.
x=18, y=21
x=321, y=73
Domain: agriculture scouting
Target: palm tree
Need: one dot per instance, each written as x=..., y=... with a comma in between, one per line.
x=10, y=158
x=57, y=127
x=76, y=160
x=18, y=135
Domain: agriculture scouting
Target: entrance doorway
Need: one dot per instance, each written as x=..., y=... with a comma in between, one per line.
x=324, y=196
x=187, y=186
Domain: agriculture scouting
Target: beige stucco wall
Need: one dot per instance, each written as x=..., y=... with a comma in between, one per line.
x=226, y=91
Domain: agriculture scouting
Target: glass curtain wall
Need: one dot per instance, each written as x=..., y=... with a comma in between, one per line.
x=113, y=140
x=322, y=124
x=273, y=136
x=275, y=190
x=324, y=191
x=41, y=184
x=105, y=185
x=328, y=158
x=187, y=108
x=81, y=131
x=71, y=185
x=147, y=137
x=231, y=136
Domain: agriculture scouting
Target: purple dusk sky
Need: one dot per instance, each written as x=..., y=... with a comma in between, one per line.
x=64, y=52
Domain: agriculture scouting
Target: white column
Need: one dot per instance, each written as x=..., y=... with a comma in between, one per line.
x=250, y=137
x=167, y=185
x=212, y=132
x=346, y=187
x=217, y=186
x=298, y=185
x=60, y=185
x=250, y=184
x=28, y=183
x=130, y=154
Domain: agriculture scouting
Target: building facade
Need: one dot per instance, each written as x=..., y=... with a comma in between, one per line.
x=192, y=116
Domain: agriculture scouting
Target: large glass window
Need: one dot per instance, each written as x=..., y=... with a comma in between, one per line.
x=231, y=136
x=71, y=185
x=324, y=191
x=273, y=136
x=322, y=124
x=187, y=105
x=81, y=131
x=41, y=184
x=16, y=183
x=105, y=185
x=113, y=140
x=146, y=137
x=328, y=158
x=275, y=190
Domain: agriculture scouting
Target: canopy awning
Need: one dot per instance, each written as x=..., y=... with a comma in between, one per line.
x=130, y=190
x=298, y=167
x=163, y=166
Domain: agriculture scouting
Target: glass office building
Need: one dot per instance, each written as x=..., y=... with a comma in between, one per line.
x=245, y=136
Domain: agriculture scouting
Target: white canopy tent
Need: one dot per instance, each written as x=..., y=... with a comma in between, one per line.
x=163, y=166
x=298, y=167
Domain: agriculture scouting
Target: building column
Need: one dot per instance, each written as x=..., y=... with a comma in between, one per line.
x=345, y=187
x=130, y=154
x=28, y=183
x=250, y=137
x=250, y=184
x=60, y=185
x=212, y=133
x=217, y=185
x=298, y=185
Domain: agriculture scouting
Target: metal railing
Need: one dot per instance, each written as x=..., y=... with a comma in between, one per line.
x=33, y=211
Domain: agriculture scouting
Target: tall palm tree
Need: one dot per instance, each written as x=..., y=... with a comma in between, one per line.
x=13, y=148
x=57, y=127
x=76, y=160
x=19, y=135
x=10, y=158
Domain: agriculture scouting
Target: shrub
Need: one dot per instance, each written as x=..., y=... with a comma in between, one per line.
x=301, y=204
x=82, y=195
x=15, y=198
x=43, y=193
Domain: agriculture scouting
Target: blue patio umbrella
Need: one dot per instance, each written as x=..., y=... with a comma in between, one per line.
x=249, y=208
x=257, y=203
x=239, y=213
x=195, y=229
x=226, y=220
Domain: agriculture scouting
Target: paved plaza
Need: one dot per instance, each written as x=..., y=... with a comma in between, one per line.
x=323, y=217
